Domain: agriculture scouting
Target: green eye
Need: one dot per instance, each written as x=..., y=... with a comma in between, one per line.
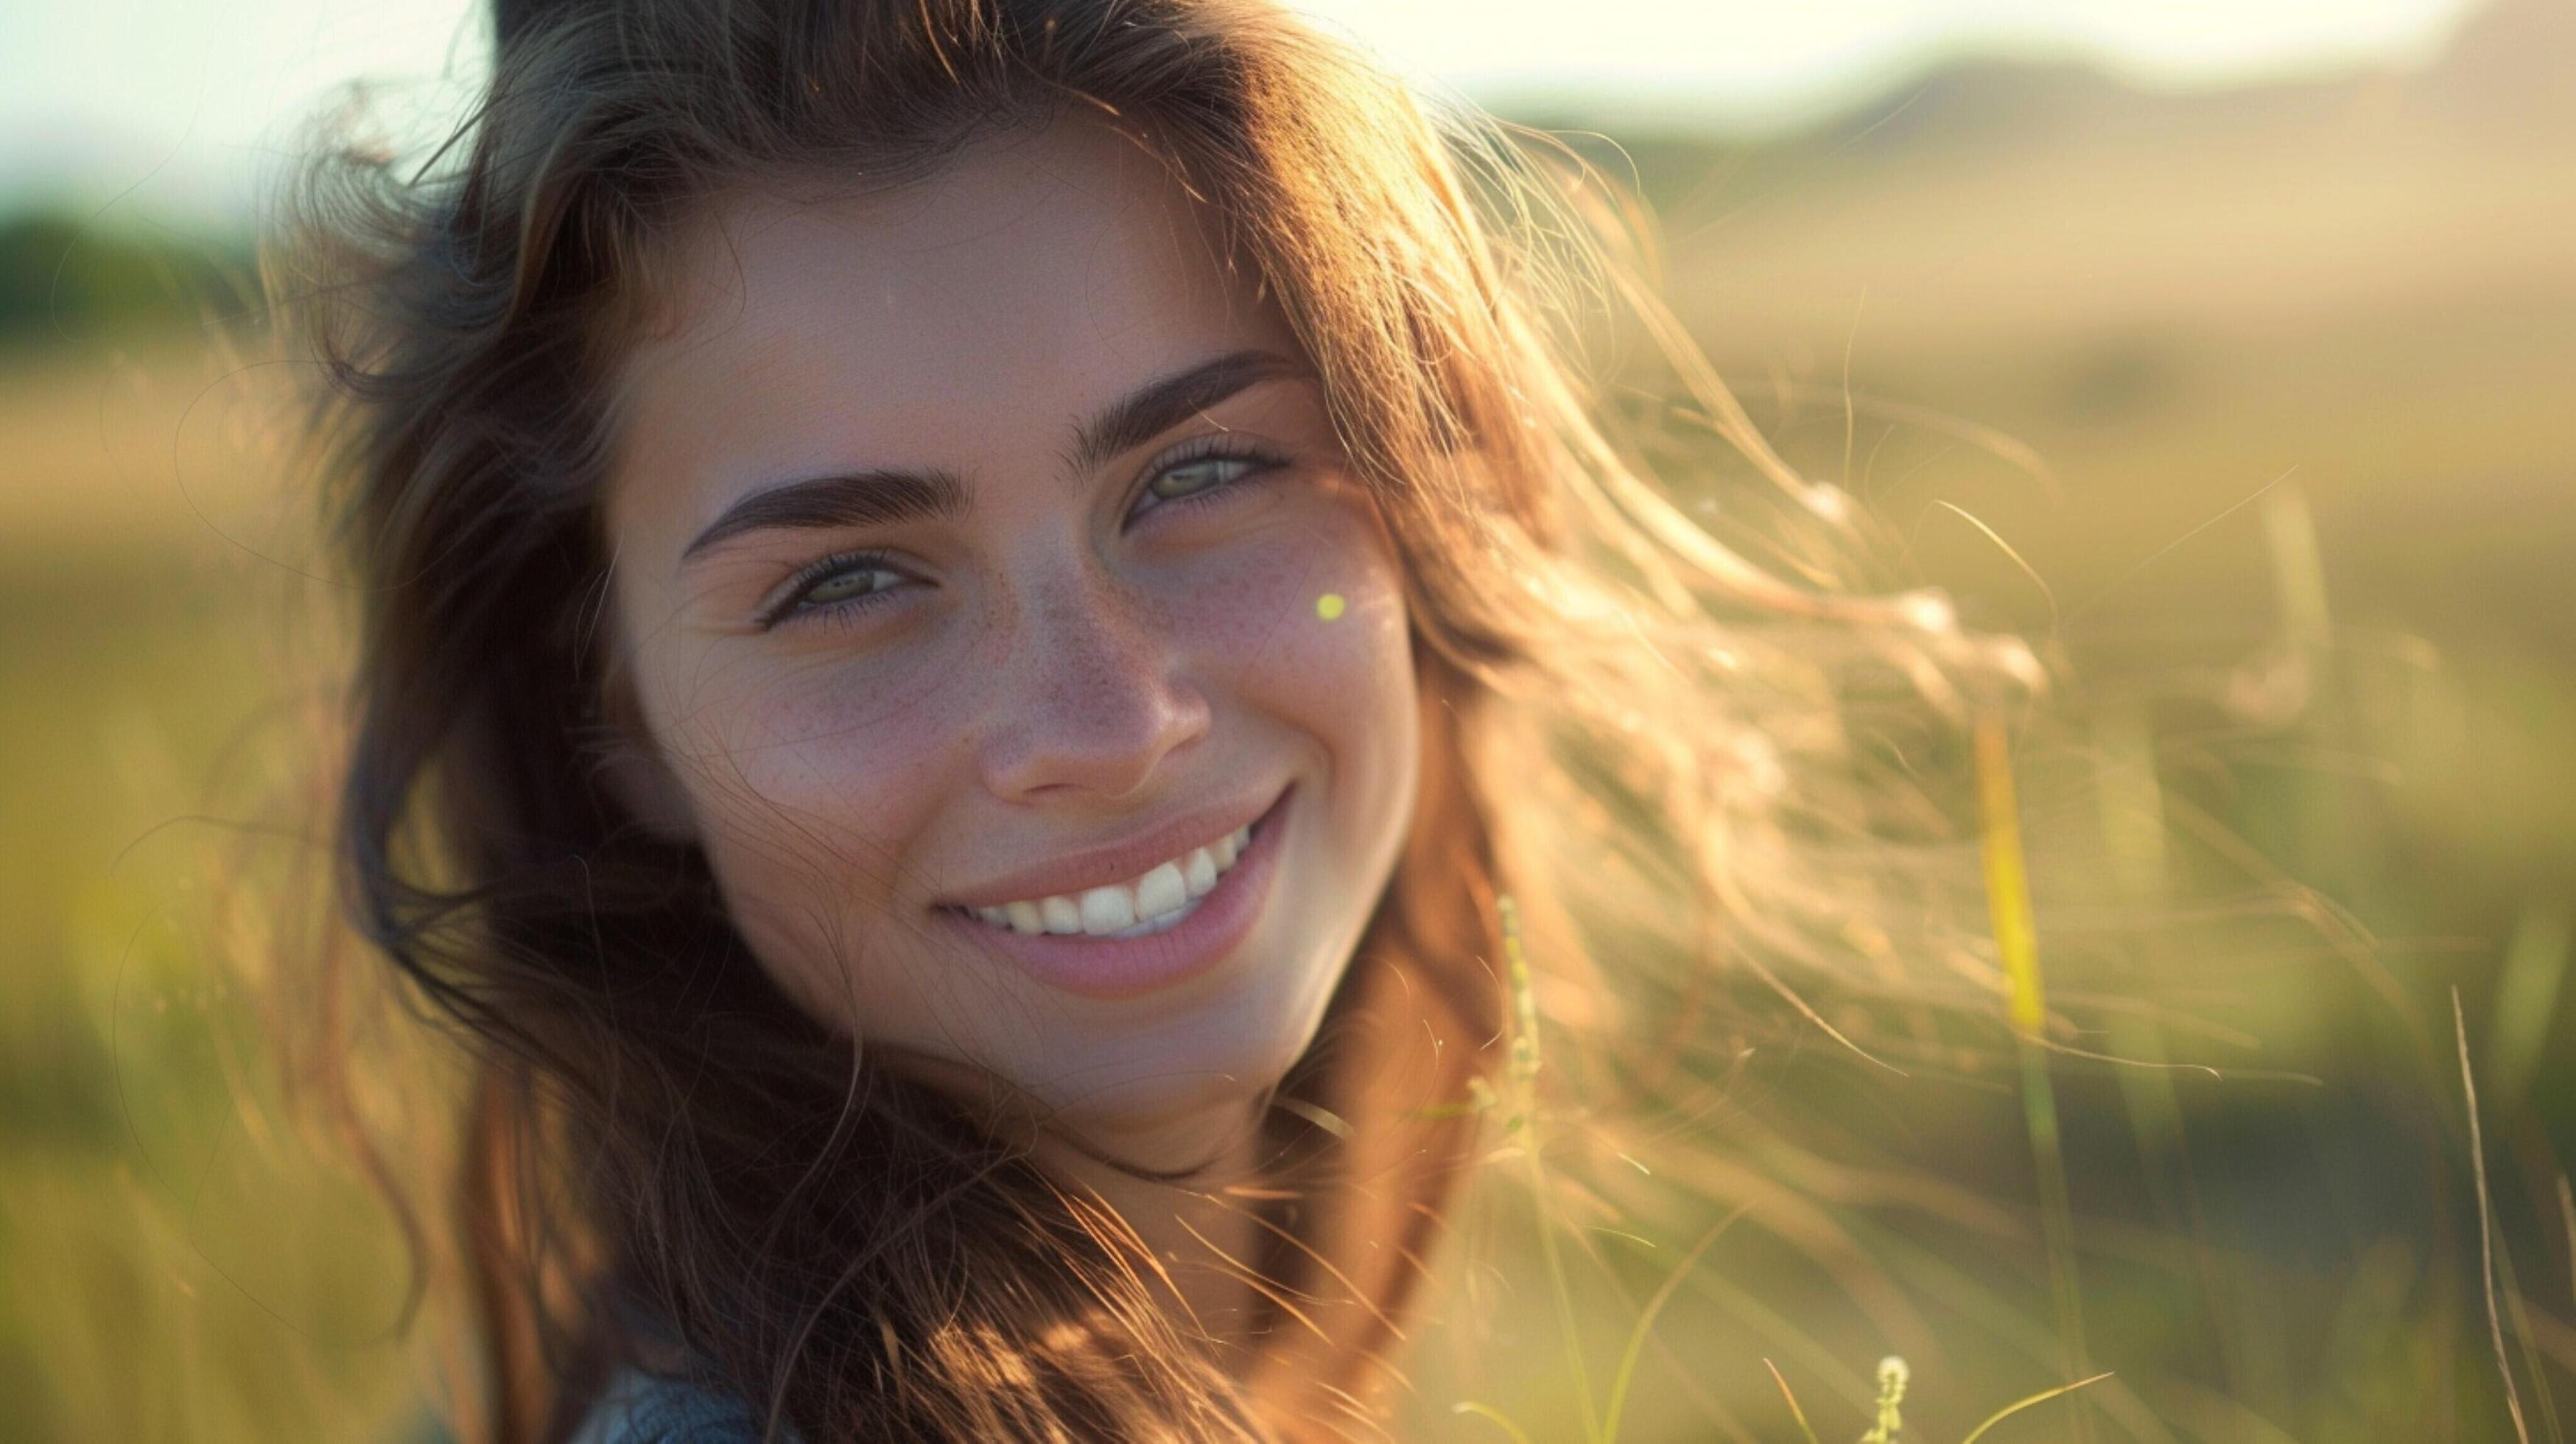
x=856, y=582
x=1191, y=477
x=836, y=586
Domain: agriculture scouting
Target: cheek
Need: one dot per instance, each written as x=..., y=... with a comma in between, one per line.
x=829, y=748
x=810, y=788
x=1308, y=628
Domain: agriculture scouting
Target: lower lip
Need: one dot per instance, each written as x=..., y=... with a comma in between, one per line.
x=1101, y=967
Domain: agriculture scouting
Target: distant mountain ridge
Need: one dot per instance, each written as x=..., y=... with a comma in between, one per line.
x=2510, y=65
x=2512, y=61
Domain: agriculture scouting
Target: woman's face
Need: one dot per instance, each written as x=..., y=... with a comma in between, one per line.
x=988, y=567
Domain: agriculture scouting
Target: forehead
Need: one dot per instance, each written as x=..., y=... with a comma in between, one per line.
x=1028, y=279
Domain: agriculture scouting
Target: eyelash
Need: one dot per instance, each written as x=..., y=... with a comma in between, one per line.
x=1206, y=448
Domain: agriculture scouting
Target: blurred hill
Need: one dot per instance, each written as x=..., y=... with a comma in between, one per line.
x=2510, y=65
x=2130, y=201
x=2176, y=297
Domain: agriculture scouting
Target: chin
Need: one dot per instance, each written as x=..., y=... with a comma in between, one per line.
x=1202, y=1071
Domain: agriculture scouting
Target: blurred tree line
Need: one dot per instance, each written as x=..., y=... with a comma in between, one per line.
x=65, y=279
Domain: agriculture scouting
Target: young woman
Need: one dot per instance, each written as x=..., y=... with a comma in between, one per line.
x=974, y=614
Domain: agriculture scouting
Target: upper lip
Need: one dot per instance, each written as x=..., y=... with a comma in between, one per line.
x=1118, y=862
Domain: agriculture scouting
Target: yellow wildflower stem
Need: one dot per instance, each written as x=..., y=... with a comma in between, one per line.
x=2007, y=876
x=2007, y=880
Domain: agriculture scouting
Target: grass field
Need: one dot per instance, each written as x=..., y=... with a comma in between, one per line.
x=2297, y=366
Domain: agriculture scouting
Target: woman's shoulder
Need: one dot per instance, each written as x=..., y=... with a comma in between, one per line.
x=642, y=1408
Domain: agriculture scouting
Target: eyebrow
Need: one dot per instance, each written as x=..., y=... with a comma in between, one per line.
x=862, y=498
x=1166, y=402
x=887, y=496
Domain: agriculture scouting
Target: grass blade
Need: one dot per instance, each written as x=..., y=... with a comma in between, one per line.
x=2007, y=877
x=2567, y=1220
x=1804, y=1428
x=2042, y=1397
x=1493, y=1416
x=2486, y=1223
x=2526, y=997
x=1645, y=1325
x=1521, y=1072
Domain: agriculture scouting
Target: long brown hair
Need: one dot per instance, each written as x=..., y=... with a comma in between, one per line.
x=655, y=1132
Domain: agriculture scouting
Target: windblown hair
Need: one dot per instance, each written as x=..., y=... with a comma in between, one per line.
x=1621, y=712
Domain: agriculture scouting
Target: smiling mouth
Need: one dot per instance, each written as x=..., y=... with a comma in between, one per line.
x=1150, y=902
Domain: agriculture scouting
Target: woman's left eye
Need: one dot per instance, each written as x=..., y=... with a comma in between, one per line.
x=1189, y=480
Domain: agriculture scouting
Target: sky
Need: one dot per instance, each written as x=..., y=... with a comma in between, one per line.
x=181, y=108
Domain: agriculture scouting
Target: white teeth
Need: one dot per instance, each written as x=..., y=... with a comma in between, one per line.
x=1063, y=914
x=1148, y=904
x=1107, y=909
x=1160, y=891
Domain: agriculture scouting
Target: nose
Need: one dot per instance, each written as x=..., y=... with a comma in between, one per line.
x=1096, y=700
